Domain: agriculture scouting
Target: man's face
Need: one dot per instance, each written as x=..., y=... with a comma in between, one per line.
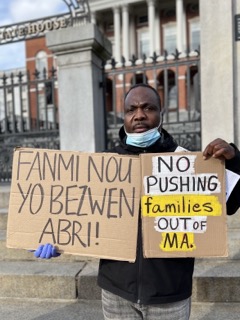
x=142, y=110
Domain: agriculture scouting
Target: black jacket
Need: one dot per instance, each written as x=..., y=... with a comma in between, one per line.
x=154, y=281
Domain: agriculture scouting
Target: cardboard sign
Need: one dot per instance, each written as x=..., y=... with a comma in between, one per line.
x=183, y=206
x=88, y=204
x=85, y=204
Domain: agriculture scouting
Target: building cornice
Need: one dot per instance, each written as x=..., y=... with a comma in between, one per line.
x=99, y=5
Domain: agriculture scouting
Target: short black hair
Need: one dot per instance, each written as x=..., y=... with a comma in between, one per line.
x=144, y=85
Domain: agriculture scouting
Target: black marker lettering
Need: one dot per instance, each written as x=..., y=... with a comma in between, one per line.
x=92, y=167
x=22, y=194
x=169, y=166
x=40, y=195
x=37, y=168
x=56, y=192
x=49, y=225
x=51, y=167
x=20, y=163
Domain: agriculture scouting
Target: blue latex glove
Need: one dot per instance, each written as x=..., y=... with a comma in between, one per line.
x=46, y=251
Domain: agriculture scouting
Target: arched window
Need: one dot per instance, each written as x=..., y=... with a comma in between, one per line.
x=41, y=63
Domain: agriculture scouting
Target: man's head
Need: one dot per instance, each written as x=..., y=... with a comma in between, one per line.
x=142, y=109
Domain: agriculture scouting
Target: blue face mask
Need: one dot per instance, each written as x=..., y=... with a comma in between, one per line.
x=143, y=139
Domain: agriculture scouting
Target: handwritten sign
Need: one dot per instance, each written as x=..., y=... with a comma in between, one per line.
x=85, y=204
x=183, y=205
x=88, y=204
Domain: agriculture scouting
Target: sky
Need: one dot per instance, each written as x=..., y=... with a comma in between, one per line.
x=13, y=11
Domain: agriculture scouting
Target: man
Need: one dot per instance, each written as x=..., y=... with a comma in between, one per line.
x=152, y=288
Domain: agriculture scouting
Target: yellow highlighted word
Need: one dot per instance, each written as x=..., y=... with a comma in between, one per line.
x=187, y=205
x=178, y=241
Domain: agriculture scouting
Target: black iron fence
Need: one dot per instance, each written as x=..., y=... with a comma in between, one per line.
x=28, y=114
x=177, y=79
x=29, y=103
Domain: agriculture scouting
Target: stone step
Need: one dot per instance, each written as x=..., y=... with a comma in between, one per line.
x=234, y=244
x=4, y=195
x=215, y=311
x=214, y=280
x=49, y=280
x=12, y=254
x=38, y=279
x=3, y=218
x=28, y=309
x=233, y=221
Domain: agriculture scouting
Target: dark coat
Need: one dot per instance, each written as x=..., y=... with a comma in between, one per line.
x=159, y=280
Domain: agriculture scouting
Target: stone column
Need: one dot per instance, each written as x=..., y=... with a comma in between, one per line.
x=236, y=77
x=132, y=36
x=117, y=34
x=80, y=52
x=184, y=30
x=179, y=17
x=157, y=34
x=151, y=24
x=125, y=28
x=217, y=94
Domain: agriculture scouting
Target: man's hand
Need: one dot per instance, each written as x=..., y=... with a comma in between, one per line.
x=219, y=149
x=46, y=251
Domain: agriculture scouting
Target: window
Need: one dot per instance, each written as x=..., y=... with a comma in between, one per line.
x=169, y=37
x=142, y=19
x=143, y=42
x=194, y=34
x=41, y=63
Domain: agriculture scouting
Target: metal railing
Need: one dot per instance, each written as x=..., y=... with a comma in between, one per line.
x=28, y=114
x=29, y=103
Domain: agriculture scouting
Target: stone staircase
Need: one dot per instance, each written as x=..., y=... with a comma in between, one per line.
x=71, y=279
